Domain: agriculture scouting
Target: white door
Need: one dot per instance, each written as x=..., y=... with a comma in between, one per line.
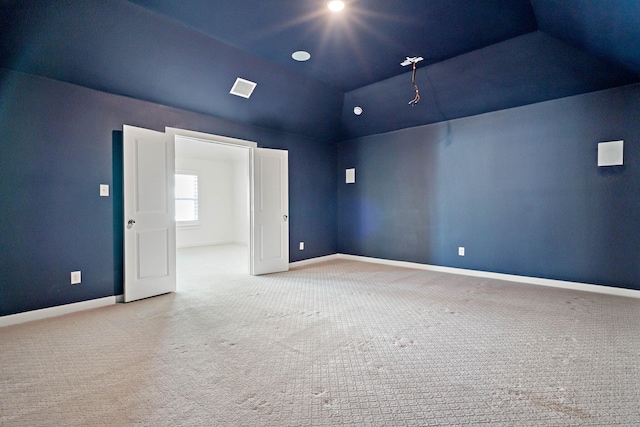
x=270, y=212
x=150, y=227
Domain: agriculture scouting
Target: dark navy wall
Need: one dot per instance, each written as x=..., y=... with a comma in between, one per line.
x=59, y=141
x=520, y=189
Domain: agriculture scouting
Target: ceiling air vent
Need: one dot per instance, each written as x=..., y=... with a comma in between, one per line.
x=243, y=88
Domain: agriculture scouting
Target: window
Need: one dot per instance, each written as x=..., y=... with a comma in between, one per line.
x=186, y=198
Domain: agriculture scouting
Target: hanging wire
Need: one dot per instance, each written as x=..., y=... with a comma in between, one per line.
x=415, y=100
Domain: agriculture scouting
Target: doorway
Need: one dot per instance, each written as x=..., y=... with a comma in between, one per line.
x=212, y=232
x=149, y=208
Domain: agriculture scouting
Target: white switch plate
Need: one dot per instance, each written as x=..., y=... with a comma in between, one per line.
x=302, y=246
x=350, y=176
x=76, y=277
x=104, y=190
x=461, y=250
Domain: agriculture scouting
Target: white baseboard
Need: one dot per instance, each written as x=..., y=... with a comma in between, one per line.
x=44, y=313
x=609, y=290
x=314, y=260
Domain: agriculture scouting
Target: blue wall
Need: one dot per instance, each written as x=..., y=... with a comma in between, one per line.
x=59, y=141
x=520, y=189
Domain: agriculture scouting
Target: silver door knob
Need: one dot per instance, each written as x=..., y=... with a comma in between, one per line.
x=285, y=217
x=130, y=223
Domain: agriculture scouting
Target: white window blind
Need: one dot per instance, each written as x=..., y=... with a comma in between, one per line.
x=186, y=197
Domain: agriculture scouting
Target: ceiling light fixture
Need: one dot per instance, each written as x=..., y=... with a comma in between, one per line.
x=301, y=55
x=335, y=5
x=357, y=110
x=413, y=60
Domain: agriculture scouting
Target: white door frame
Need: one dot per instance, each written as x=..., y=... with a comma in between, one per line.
x=225, y=140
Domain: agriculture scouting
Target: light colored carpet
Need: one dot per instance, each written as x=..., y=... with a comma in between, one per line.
x=335, y=343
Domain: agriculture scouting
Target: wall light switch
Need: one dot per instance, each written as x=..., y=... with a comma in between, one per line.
x=104, y=190
x=461, y=250
x=76, y=277
x=351, y=176
x=302, y=246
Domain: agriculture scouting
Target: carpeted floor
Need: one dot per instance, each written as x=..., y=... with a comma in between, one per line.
x=339, y=343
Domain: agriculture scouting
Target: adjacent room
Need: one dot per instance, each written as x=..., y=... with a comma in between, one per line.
x=212, y=209
x=358, y=212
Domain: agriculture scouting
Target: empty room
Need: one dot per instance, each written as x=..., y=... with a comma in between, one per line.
x=320, y=213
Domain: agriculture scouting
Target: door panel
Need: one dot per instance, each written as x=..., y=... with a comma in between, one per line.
x=150, y=229
x=270, y=214
x=271, y=246
x=152, y=246
x=150, y=176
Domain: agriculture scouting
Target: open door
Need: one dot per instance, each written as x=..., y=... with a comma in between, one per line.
x=270, y=211
x=149, y=214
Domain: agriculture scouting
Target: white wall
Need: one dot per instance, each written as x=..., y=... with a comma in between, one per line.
x=223, y=203
x=240, y=195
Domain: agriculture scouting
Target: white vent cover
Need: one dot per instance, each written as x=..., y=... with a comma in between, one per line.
x=243, y=88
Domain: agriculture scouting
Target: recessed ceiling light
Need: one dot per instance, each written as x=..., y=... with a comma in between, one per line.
x=301, y=55
x=335, y=5
x=357, y=110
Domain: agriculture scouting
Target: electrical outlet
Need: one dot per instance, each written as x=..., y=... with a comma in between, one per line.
x=461, y=250
x=104, y=190
x=302, y=246
x=76, y=277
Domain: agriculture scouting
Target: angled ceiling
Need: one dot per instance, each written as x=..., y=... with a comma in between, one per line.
x=362, y=44
x=479, y=55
